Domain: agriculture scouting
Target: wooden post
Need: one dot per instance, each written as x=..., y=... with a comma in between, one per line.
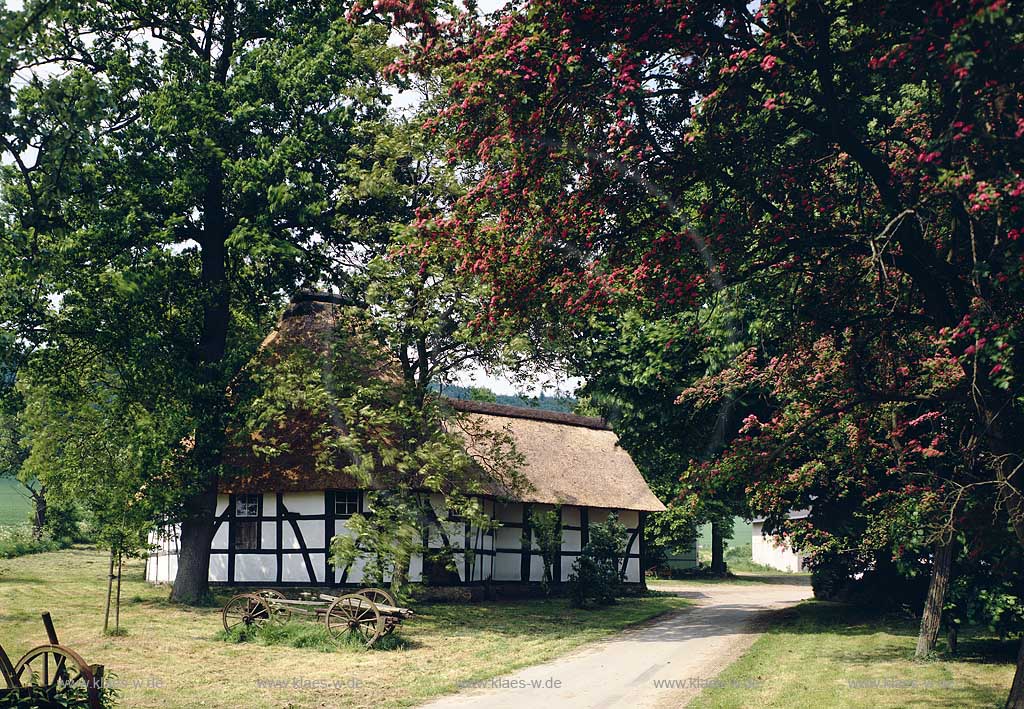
x=51, y=632
x=110, y=585
x=117, y=605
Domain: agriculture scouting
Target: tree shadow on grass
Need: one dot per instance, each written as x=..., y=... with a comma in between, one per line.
x=976, y=645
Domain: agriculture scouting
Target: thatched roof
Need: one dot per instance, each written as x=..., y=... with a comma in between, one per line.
x=569, y=459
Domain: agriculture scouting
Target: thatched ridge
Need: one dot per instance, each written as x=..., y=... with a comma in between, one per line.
x=522, y=412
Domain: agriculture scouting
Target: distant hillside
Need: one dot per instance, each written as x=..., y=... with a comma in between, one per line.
x=548, y=403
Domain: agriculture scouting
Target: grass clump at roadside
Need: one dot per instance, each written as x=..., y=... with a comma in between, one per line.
x=826, y=654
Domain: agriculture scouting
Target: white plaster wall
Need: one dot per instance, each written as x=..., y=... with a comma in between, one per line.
x=218, y=567
x=304, y=503
x=220, y=539
x=293, y=568
x=506, y=567
x=630, y=518
x=572, y=540
x=508, y=537
x=766, y=551
x=508, y=511
x=268, y=535
x=255, y=567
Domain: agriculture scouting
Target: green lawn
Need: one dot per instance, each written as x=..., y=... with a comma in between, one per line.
x=832, y=655
x=172, y=657
x=742, y=533
x=14, y=506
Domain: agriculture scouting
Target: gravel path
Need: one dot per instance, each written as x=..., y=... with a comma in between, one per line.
x=659, y=664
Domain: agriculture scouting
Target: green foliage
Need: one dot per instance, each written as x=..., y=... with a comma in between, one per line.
x=596, y=577
x=18, y=540
x=63, y=520
x=74, y=696
x=547, y=533
x=482, y=394
x=386, y=539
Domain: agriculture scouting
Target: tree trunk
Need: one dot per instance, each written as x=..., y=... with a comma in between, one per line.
x=191, y=583
x=110, y=585
x=1016, y=698
x=931, y=618
x=39, y=512
x=717, y=548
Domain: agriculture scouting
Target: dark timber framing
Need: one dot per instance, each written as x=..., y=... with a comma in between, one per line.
x=471, y=538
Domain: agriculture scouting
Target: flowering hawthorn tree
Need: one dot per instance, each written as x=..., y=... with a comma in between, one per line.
x=858, y=165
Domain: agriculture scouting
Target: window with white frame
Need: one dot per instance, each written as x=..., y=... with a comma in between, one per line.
x=346, y=503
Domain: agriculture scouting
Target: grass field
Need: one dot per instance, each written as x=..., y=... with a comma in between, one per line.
x=14, y=506
x=742, y=533
x=831, y=655
x=171, y=657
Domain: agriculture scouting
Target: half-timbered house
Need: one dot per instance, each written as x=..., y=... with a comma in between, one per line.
x=275, y=521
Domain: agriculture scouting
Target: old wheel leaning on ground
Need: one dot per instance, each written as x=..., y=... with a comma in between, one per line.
x=247, y=610
x=56, y=666
x=355, y=614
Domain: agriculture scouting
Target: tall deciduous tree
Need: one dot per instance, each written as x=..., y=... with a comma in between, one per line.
x=856, y=163
x=171, y=169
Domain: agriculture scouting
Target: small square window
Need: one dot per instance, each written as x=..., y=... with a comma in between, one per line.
x=346, y=503
x=247, y=506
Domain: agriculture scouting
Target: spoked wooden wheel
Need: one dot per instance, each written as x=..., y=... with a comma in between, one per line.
x=282, y=613
x=56, y=667
x=381, y=598
x=355, y=614
x=378, y=596
x=246, y=610
x=269, y=593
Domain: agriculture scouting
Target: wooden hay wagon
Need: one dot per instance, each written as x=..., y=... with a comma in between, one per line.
x=53, y=670
x=369, y=613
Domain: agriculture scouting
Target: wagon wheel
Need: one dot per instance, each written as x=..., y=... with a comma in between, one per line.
x=381, y=597
x=355, y=613
x=378, y=596
x=57, y=667
x=269, y=593
x=282, y=613
x=246, y=610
